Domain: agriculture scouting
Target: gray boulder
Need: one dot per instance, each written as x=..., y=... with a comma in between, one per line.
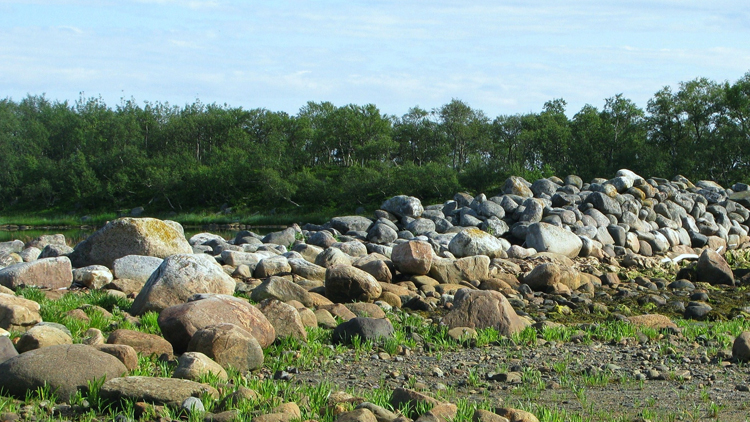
x=285, y=237
x=131, y=236
x=52, y=273
x=549, y=238
x=93, y=276
x=136, y=267
x=351, y=223
x=403, y=206
x=345, y=283
x=373, y=329
x=472, y=241
x=283, y=290
x=177, y=279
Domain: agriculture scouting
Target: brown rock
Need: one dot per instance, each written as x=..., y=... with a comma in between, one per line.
x=654, y=321
x=366, y=310
x=325, y=319
x=357, y=415
x=229, y=345
x=144, y=343
x=17, y=313
x=447, y=271
x=179, y=323
x=124, y=353
x=194, y=365
x=171, y=391
x=284, y=318
x=516, y=415
x=483, y=309
x=403, y=397
x=549, y=274
x=391, y=299
x=713, y=269
x=41, y=336
x=349, y=284
x=444, y=412
x=413, y=257
x=339, y=310
x=741, y=347
x=377, y=266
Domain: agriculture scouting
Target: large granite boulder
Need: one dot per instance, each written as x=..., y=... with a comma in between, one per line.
x=179, y=323
x=453, y=271
x=472, y=241
x=351, y=223
x=368, y=329
x=228, y=345
x=178, y=278
x=484, y=309
x=413, y=257
x=131, y=236
x=65, y=368
x=52, y=273
x=93, y=276
x=547, y=275
x=281, y=289
x=345, y=283
x=136, y=267
x=550, y=238
x=17, y=313
x=404, y=206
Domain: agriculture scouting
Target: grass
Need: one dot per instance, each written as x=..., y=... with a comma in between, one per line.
x=319, y=354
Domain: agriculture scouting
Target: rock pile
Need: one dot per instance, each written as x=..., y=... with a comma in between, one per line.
x=488, y=261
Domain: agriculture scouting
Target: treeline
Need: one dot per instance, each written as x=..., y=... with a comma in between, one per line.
x=88, y=156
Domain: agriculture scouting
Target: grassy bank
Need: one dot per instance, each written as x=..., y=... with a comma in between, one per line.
x=201, y=218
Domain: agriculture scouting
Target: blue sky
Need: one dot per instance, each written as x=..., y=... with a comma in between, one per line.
x=502, y=57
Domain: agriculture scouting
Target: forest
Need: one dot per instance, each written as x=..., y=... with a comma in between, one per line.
x=88, y=156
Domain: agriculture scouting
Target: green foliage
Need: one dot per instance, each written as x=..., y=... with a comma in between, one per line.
x=89, y=157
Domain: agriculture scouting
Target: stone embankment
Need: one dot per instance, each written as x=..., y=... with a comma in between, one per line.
x=551, y=247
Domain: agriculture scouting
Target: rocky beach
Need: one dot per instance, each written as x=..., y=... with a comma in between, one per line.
x=616, y=299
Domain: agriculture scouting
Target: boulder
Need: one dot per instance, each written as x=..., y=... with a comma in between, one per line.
x=65, y=368
x=331, y=257
x=345, y=283
x=12, y=246
x=547, y=275
x=306, y=269
x=40, y=336
x=453, y=271
x=228, y=345
x=655, y=321
x=284, y=318
x=349, y=223
x=413, y=257
x=158, y=391
x=131, y=236
x=550, y=238
x=274, y=265
x=30, y=254
x=17, y=313
x=93, y=276
x=472, y=241
x=136, y=267
x=741, y=347
x=403, y=206
x=144, y=343
x=179, y=323
x=373, y=329
x=177, y=279
x=52, y=273
x=713, y=269
x=124, y=353
x=282, y=289
x=53, y=251
x=377, y=266
x=285, y=237
x=194, y=365
x=484, y=309
x=515, y=185
x=7, y=349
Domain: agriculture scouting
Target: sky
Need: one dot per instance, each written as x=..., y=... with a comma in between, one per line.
x=501, y=57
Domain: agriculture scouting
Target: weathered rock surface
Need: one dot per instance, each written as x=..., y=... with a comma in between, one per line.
x=346, y=284
x=158, y=391
x=52, y=273
x=17, y=313
x=374, y=329
x=179, y=323
x=484, y=309
x=194, y=365
x=413, y=257
x=178, y=278
x=131, y=236
x=472, y=241
x=550, y=238
x=144, y=343
x=65, y=368
x=136, y=267
x=228, y=345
